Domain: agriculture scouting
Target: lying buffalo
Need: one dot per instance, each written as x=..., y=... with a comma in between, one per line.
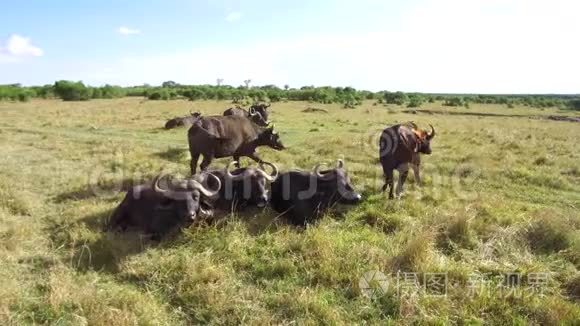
x=244, y=187
x=182, y=121
x=400, y=147
x=225, y=136
x=304, y=196
x=257, y=113
x=161, y=206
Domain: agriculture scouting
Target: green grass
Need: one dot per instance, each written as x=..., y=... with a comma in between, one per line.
x=500, y=195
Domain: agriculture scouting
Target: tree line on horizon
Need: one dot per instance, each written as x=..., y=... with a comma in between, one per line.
x=349, y=97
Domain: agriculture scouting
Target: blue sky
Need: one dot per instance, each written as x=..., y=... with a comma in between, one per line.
x=485, y=46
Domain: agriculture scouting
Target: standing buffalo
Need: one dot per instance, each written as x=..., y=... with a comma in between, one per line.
x=155, y=209
x=400, y=146
x=243, y=187
x=305, y=196
x=224, y=136
x=182, y=121
x=257, y=113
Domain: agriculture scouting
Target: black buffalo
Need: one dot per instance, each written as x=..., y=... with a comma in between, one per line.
x=160, y=206
x=243, y=187
x=304, y=196
x=400, y=147
x=225, y=136
x=182, y=121
x=257, y=113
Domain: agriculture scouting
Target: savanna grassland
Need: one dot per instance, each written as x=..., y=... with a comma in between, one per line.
x=501, y=195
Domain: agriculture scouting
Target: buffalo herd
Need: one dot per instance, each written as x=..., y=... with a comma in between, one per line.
x=301, y=197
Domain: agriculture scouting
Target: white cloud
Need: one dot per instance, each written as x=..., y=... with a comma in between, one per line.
x=18, y=47
x=234, y=16
x=124, y=30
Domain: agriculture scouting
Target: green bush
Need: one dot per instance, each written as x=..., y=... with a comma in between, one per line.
x=415, y=101
x=574, y=105
x=398, y=98
x=194, y=94
x=109, y=91
x=72, y=91
x=454, y=101
x=24, y=96
x=155, y=95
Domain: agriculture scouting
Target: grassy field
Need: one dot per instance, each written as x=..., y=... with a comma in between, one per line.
x=501, y=196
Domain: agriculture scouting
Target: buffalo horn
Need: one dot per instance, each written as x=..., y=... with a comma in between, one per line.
x=432, y=133
x=231, y=176
x=326, y=176
x=269, y=177
x=182, y=186
x=194, y=184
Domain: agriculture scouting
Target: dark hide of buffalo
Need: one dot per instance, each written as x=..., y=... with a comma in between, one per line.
x=243, y=187
x=400, y=147
x=182, y=121
x=304, y=196
x=228, y=136
x=258, y=113
x=161, y=206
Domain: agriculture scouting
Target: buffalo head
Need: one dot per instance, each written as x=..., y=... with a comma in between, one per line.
x=187, y=195
x=424, y=138
x=259, y=114
x=339, y=177
x=418, y=140
x=251, y=183
x=269, y=137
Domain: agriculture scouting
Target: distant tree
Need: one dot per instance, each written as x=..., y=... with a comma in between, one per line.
x=72, y=91
x=109, y=91
x=169, y=84
x=23, y=97
x=368, y=95
x=274, y=95
x=574, y=104
x=453, y=101
x=219, y=81
x=286, y=87
x=155, y=95
x=415, y=101
x=97, y=93
x=194, y=93
x=221, y=94
x=398, y=98
x=247, y=82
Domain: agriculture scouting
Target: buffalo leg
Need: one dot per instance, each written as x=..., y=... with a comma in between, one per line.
x=207, y=158
x=118, y=220
x=416, y=173
x=193, y=163
x=255, y=157
x=389, y=183
x=403, y=172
